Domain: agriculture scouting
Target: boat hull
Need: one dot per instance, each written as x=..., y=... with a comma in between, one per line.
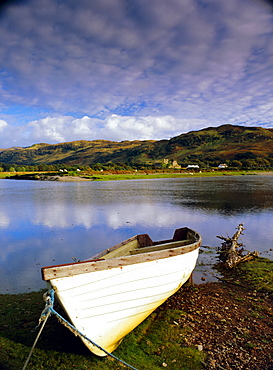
x=108, y=303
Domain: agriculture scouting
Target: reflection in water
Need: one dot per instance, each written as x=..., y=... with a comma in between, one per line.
x=45, y=223
x=4, y=219
x=229, y=195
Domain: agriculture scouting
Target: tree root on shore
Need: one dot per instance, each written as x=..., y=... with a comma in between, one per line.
x=229, y=252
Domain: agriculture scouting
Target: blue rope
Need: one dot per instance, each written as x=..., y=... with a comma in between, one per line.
x=48, y=310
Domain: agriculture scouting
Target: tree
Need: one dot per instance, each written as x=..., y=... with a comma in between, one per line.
x=250, y=163
x=262, y=162
x=236, y=163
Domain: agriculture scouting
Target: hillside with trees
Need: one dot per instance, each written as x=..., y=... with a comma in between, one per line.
x=236, y=146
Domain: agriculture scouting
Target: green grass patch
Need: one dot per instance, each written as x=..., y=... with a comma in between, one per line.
x=157, y=342
x=108, y=176
x=161, y=175
x=257, y=274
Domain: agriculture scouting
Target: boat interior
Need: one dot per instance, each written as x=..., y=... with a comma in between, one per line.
x=144, y=244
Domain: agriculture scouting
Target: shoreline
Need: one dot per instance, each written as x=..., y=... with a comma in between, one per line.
x=109, y=176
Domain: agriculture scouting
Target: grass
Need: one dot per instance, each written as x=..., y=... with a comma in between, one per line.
x=155, y=175
x=257, y=273
x=4, y=175
x=153, y=344
x=109, y=176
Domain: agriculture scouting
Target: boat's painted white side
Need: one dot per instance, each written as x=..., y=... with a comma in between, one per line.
x=106, y=305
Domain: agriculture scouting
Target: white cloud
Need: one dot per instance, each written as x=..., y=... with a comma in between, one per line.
x=149, y=127
x=59, y=129
x=115, y=128
x=3, y=125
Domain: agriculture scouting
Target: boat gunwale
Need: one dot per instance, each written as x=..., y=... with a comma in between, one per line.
x=94, y=265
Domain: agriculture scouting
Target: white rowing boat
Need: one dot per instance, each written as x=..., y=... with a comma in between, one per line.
x=107, y=296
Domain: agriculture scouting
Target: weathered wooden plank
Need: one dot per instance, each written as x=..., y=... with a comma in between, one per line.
x=59, y=271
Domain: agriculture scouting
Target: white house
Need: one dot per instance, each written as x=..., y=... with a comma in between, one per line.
x=192, y=167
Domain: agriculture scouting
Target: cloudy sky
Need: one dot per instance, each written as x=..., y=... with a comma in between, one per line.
x=132, y=69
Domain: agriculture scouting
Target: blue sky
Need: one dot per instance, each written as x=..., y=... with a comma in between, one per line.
x=132, y=69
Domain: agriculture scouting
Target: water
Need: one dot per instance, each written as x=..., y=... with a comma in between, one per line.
x=47, y=223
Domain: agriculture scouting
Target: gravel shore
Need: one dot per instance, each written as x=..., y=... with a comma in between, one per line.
x=233, y=325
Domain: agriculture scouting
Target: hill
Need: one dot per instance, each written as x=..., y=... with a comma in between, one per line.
x=234, y=145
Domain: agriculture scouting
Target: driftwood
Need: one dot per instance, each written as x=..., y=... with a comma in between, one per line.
x=230, y=254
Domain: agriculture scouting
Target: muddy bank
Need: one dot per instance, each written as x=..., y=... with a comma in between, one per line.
x=67, y=178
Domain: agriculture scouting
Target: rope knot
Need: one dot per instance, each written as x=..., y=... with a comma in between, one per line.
x=48, y=297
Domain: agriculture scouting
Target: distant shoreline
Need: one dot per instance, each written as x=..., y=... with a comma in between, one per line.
x=109, y=176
